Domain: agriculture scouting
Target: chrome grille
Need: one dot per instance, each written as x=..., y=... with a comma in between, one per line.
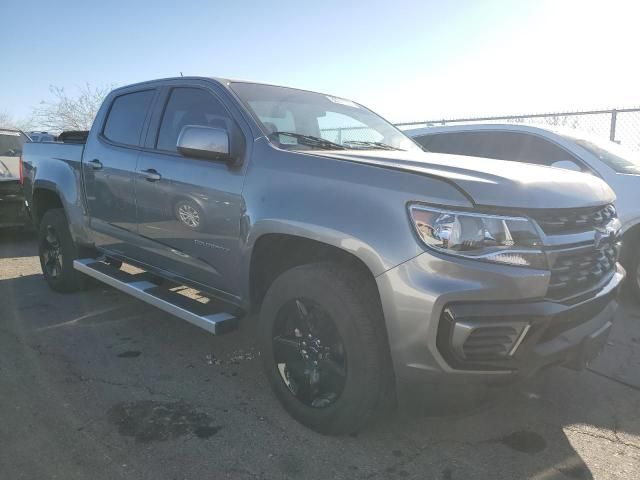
x=574, y=220
x=578, y=271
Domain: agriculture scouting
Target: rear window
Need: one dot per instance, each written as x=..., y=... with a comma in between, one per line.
x=613, y=155
x=513, y=146
x=11, y=143
x=126, y=117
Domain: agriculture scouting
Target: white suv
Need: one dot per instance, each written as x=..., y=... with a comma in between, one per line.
x=561, y=148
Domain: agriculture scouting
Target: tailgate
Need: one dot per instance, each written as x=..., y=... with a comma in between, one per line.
x=10, y=189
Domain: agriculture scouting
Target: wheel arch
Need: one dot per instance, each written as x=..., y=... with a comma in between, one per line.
x=274, y=253
x=62, y=175
x=44, y=198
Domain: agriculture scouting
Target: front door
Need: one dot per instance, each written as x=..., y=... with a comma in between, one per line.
x=189, y=209
x=109, y=167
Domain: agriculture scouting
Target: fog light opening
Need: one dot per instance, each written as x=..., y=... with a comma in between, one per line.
x=475, y=339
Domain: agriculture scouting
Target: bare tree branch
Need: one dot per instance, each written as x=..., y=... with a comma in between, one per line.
x=8, y=121
x=67, y=112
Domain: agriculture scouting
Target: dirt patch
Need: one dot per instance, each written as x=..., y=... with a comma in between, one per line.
x=150, y=421
x=524, y=441
x=130, y=354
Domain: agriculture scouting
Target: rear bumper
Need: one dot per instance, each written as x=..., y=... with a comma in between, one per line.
x=424, y=299
x=13, y=211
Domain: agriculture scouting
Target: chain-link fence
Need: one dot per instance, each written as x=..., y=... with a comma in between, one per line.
x=620, y=125
x=351, y=134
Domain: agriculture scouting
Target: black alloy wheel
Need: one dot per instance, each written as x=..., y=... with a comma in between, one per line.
x=51, y=253
x=309, y=353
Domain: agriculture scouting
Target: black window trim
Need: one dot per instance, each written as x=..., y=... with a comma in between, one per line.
x=145, y=124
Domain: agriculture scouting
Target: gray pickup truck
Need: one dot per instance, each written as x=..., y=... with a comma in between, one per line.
x=374, y=266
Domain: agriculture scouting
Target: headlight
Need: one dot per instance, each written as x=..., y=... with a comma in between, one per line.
x=492, y=238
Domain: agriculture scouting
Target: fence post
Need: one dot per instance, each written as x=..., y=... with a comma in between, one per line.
x=612, y=132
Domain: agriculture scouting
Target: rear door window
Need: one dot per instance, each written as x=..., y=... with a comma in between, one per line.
x=127, y=116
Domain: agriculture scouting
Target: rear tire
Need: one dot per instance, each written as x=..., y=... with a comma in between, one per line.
x=57, y=252
x=353, y=384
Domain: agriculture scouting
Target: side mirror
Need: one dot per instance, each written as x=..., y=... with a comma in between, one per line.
x=204, y=142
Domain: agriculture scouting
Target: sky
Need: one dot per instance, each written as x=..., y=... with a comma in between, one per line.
x=407, y=60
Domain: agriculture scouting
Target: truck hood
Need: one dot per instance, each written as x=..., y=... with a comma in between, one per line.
x=497, y=183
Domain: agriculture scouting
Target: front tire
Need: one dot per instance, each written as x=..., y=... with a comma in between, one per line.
x=324, y=349
x=57, y=252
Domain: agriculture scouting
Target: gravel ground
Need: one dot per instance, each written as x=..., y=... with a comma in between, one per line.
x=98, y=385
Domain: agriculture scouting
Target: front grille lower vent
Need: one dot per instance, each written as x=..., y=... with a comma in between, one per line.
x=574, y=220
x=489, y=343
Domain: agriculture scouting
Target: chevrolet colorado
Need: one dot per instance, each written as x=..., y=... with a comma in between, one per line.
x=373, y=265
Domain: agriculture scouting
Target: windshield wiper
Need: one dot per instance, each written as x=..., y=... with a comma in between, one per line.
x=380, y=145
x=311, y=141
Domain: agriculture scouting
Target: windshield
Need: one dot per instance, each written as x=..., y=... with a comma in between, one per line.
x=301, y=120
x=621, y=159
x=11, y=143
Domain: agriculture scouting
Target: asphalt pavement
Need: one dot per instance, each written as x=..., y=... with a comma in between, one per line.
x=97, y=385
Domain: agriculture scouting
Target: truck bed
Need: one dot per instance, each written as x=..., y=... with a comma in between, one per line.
x=46, y=151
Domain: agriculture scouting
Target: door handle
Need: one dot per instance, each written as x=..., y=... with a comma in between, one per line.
x=152, y=175
x=96, y=164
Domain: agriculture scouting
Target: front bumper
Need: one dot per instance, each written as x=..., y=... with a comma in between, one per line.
x=419, y=298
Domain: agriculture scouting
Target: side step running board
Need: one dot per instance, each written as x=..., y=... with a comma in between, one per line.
x=206, y=316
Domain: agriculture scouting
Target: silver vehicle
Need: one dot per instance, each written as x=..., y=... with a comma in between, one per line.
x=38, y=136
x=563, y=148
x=373, y=266
x=12, y=208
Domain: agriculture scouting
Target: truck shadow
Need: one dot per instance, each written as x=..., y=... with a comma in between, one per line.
x=539, y=428
x=17, y=242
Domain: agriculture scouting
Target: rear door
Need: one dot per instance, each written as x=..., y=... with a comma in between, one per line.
x=109, y=166
x=189, y=209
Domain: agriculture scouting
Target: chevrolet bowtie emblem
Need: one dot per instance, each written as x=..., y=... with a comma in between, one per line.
x=606, y=235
